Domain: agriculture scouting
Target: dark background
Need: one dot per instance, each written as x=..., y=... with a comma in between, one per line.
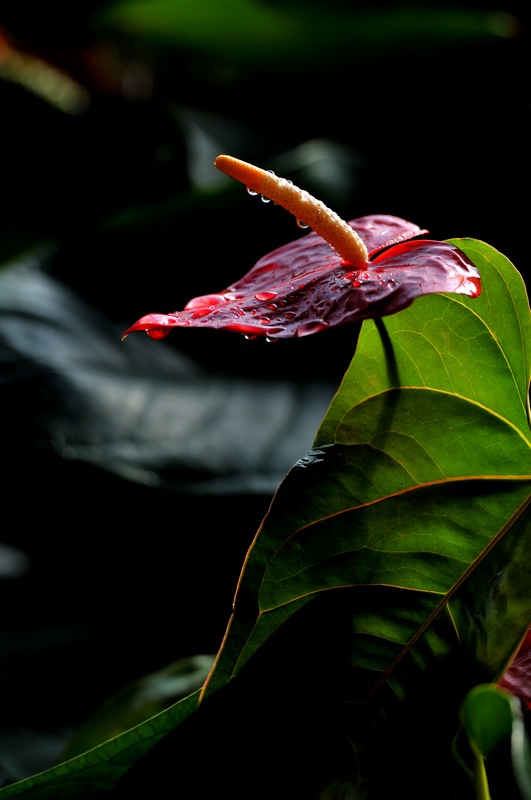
x=417, y=110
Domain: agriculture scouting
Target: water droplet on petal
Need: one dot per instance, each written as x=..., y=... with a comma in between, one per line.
x=310, y=327
x=205, y=300
x=157, y=333
x=251, y=191
x=263, y=297
x=265, y=199
x=202, y=312
x=302, y=224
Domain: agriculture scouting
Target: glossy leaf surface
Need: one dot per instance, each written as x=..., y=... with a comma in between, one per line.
x=305, y=286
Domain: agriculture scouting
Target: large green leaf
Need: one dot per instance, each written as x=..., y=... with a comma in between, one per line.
x=390, y=569
x=420, y=469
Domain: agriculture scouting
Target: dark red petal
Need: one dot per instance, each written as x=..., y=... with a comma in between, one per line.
x=282, y=276
x=305, y=287
x=517, y=677
x=383, y=230
x=428, y=266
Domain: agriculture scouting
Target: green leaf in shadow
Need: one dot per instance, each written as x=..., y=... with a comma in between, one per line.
x=492, y=719
x=141, y=700
x=94, y=773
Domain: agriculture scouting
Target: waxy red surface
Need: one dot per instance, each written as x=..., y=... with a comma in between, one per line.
x=304, y=287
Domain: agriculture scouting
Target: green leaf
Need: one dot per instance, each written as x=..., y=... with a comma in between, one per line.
x=94, y=773
x=420, y=469
x=141, y=700
x=487, y=714
x=413, y=508
x=492, y=719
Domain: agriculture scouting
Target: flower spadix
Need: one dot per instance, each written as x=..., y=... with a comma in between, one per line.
x=339, y=272
x=309, y=211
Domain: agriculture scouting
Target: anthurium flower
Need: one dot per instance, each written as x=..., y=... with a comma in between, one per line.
x=517, y=677
x=340, y=272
